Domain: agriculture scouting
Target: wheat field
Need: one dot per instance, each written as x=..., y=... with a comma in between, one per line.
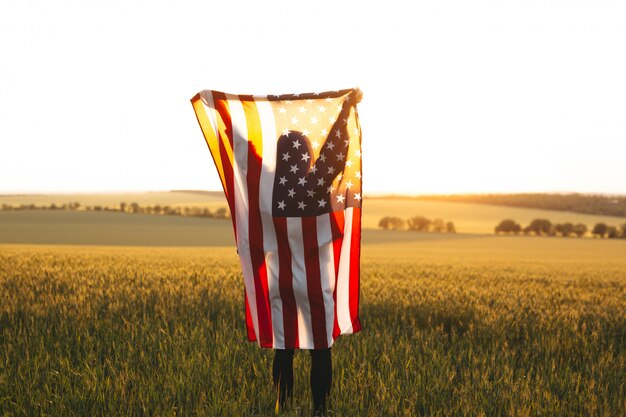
x=132, y=331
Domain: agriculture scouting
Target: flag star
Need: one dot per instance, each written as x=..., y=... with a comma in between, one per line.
x=349, y=163
x=356, y=131
x=306, y=132
x=283, y=180
x=321, y=203
x=315, y=144
x=310, y=193
x=324, y=133
x=340, y=176
x=331, y=170
x=339, y=107
x=321, y=182
x=330, y=145
x=340, y=156
x=296, y=144
x=340, y=198
x=331, y=119
x=329, y=189
x=313, y=169
x=286, y=132
x=301, y=205
x=281, y=205
x=286, y=156
x=322, y=157
x=302, y=181
x=358, y=174
x=305, y=157
x=294, y=168
x=314, y=120
x=346, y=141
x=357, y=153
x=282, y=110
x=321, y=109
x=291, y=193
x=302, y=109
x=357, y=196
x=294, y=120
x=349, y=184
x=338, y=133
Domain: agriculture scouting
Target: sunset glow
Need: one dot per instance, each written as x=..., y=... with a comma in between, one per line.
x=459, y=97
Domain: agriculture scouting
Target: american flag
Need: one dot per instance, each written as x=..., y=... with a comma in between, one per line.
x=290, y=166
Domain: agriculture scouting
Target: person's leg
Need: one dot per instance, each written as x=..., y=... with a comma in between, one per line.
x=282, y=374
x=321, y=378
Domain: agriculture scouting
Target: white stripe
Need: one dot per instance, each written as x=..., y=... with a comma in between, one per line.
x=240, y=169
x=209, y=109
x=300, y=291
x=270, y=245
x=327, y=272
x=343, y=280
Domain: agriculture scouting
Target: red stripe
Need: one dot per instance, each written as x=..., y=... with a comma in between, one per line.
x=336, y=224
x=249, y=323
x=355, y=268
x=313, y=282
x=255, y=226
x=221, y=106
x=285, y=284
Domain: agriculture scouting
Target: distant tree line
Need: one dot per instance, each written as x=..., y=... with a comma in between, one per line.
x=133, y=208
x=417, y=224
x=544, y=227
x=599, y=204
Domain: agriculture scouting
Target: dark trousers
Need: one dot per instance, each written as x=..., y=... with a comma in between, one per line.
x=321, y=376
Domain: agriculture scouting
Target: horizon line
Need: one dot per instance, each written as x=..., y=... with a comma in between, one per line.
x=374, y=194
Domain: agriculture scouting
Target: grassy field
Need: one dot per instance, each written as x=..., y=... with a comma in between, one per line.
x=453, y=326
x=110, y=228
x=468, y=218
x=136, y=315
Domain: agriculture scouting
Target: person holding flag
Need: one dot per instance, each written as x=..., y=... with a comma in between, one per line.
x=290, y=167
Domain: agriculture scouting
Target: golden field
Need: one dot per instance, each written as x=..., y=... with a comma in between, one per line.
x=483, y=326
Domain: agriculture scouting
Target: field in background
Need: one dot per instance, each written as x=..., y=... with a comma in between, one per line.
x=136, y=314
x=452, y=327
x=110, y=228
x=468, y=218
x=111, y=199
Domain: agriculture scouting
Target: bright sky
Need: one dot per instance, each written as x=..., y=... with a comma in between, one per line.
x=459, y=96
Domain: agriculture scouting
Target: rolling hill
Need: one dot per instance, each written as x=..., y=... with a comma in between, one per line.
x=467, y=217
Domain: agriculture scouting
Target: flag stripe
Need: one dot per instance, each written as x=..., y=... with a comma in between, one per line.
x=285, y=278
x=355, y=262
x=204, y=109
x=343, y=281
x=249, y=322
x=300, y=289
x=266, y=182
x=314, y=286
x=224, y=126
x=240, y=162
x=327, y=273
x=337, y=222
x=257, y=254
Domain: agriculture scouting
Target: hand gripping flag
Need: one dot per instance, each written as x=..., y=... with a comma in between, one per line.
x=290, y=166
